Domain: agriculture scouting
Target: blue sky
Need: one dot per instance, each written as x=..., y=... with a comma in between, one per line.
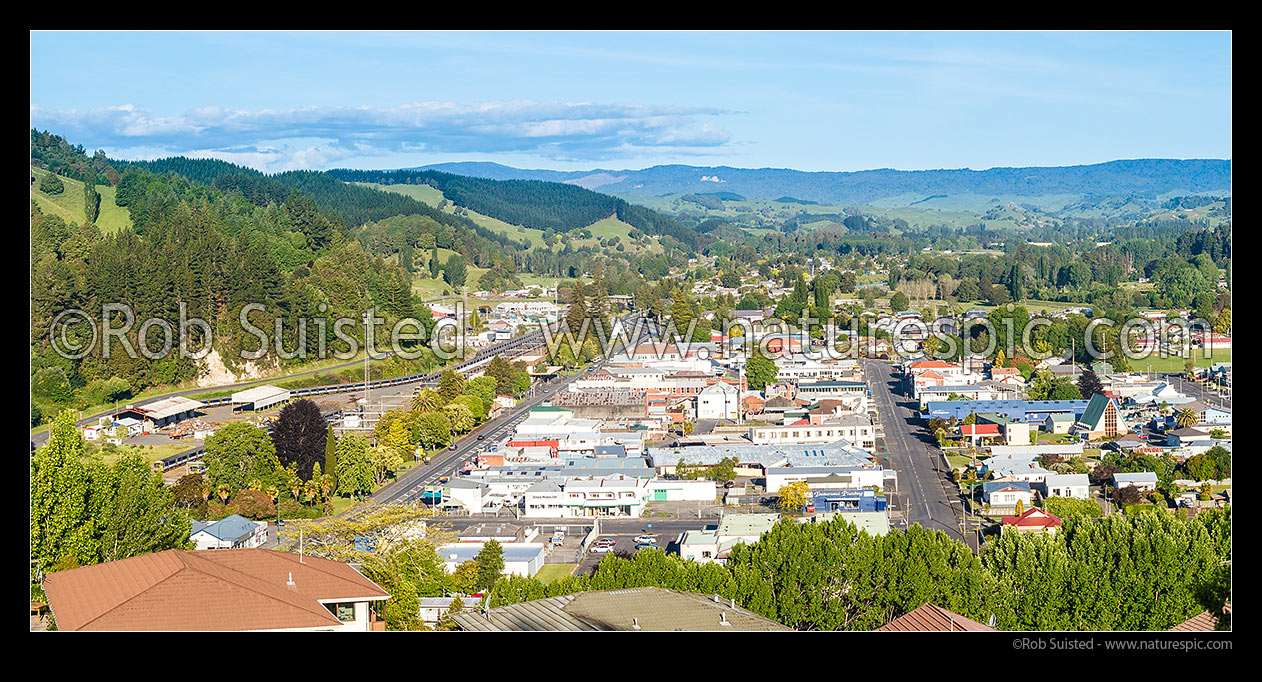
x=580, y=100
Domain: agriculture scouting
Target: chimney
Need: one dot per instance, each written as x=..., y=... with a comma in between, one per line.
x=635, y=623
x=716, y=597
x=723, y=619
x=291, y=582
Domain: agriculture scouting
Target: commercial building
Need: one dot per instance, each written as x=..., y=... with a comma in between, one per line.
x=853, y=428
x=260, y=397
x=520, y=558
x=160, y=413
x=1029, y=411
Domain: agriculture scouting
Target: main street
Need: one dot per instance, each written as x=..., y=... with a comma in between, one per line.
x=1214, y=396
x=410, y=486
x=924, y=483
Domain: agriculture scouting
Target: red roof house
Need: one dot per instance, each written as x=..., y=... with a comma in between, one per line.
x=1033, y=520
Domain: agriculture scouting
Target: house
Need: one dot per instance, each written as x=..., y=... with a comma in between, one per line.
x=1007, y=493
x=232, y=532
x=1144, y=480
x=933, y=618
x=1184, y=436
x=1032, y=520
x=650, y=609
x=976, y=432
x=1101, y=419
x=231, y=590
x=1014, y=432
x=1059, y=423
x=1077, y=486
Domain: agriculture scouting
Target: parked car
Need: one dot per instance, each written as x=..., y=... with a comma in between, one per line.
x=451, y=447
x=444, y=479
x=729, y=484
x=645, y=545
x=482, y=436
x=603, y=545
x=645, y=539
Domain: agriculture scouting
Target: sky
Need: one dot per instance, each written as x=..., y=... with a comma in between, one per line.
x=815, y=101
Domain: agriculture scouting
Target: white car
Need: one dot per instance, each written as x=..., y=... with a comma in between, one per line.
x=642, y=539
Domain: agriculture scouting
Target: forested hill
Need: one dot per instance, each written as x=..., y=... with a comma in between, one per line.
x=356, y=205
x=532, y=203
x=1143, y=177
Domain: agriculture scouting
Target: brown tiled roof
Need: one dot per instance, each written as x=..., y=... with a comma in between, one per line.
x=932, y=618
x=1201, y=622
x=239, y=589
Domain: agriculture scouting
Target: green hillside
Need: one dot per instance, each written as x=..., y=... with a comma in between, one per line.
x=69, y=204
x=433, y=197
x=601, y=229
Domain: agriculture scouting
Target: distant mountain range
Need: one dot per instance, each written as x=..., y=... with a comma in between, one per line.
x=1143, y=177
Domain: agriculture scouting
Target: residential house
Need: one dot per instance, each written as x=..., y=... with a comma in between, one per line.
x=1077, y=486
x=230, y=590
x=231, y=532
x=933, y=618
x=1144, y=480
x=1032, y=520
x=1005, y=494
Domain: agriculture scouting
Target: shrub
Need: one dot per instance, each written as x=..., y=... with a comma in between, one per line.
x=51, y=184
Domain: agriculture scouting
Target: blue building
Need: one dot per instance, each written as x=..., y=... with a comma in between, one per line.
x=1028, y=411
x=846, y=500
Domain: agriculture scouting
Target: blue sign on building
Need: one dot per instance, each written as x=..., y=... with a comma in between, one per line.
x=846, y=500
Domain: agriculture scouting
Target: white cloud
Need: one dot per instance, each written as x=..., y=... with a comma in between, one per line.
x=575, y=131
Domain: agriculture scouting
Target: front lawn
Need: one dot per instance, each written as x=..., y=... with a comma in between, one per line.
x=551, y=573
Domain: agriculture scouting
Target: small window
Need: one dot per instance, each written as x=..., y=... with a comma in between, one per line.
x=344, y=612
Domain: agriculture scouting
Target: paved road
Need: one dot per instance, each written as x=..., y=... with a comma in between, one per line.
x=410, y=485
x=922, y=481
x=1200, y=391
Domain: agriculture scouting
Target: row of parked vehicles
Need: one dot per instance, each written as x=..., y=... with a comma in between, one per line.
x=641, y=542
